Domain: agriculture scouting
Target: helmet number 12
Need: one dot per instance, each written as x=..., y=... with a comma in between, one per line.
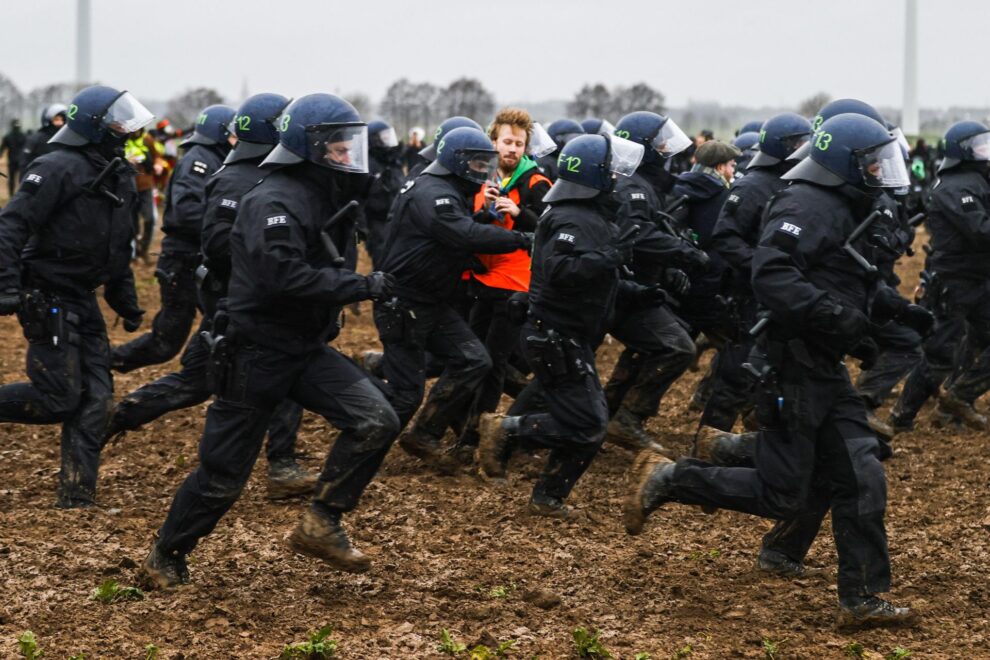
x=573, y=163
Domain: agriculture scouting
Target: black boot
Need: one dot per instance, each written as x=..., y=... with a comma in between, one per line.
x=779, y=564
x=494, y=445
x=651, y=474
x=163, y=570
x=286, y=478
x=873, y=612
x=626, y=430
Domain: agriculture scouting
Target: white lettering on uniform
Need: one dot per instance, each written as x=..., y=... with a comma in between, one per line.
x=967, y=200
x=791, y=229
x=277, y=220
x=229, y=203
x=566, y=237
x=442, y=201
x=33, y=178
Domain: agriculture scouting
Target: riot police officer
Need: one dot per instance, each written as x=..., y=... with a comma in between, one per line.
x=38, y=144
x=286, y=289
x=431, y=239
x=575, y=285
x=736, y=234
x=385, y=166
x=959, y=225
x=182, y=225
x=813, y=425
x=428, y=154
x=65, y=233
x=657, y=346
x=255, y=128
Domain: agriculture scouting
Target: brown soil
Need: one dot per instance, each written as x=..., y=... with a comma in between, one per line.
x=457, y=553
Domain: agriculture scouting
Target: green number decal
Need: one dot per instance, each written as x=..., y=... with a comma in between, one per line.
x=763, y=136
x=573, y=163
x=73, y=109
x=283, y=124
x=818, y=122
x=623, y=134
x=440, y=147
x=243, y=123
x=201, y=119
x=822, y=140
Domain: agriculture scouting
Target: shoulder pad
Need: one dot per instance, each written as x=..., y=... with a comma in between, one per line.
x=968, y=202
x=786, y=236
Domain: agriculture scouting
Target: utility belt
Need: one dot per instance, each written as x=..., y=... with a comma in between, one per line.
x=44, y=320
x=555, y=359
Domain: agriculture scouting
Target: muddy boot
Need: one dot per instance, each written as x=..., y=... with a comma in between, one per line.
x=549, y=507
x=779, y=564
x=650, y=474
x=494, y=445
x=707, y=441
x=900, y=423
x=626, y=430
x=163, y=570
x=115, y=428
x=873, y=612
x=950, y=404
x=320, y=535
x=428, y=449
x=66, y=500
x=286, y=478
x=372, y=362
x=880, y=427
x=465, y=448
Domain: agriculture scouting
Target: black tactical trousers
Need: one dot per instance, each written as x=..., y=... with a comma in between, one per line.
x=567, y=414
x=323, y=381
x=171, y=325
x=144, y=221
x=70, y=383
x=490, y=322
x=962, y=334
x=410, y=331
x=900, y=351
x=730, y=387
x=658, y=350
x=814, y=443
x=188, y=387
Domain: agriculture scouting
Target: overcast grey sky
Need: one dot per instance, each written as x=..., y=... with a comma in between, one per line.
x=746, y=52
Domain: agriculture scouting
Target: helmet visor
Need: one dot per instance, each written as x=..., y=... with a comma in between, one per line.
x=388, y=138
x=478, y=165
x=540, y=142
x=792, y=143
x=883, y=166
x=126, y=115
x=671, y=140
x=977, y=147
x=607, y=128
x=626, y=155
x=338, y=146
x=901, y=140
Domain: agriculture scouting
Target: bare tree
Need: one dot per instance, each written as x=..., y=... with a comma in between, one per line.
x=638, y=97
x=469, y=98
x=811, y=105
x=182, y=109
x=362, y=103
x=590, y=101
x=11, y=102
x=407, y=104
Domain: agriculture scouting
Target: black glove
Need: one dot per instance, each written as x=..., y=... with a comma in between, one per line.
x=652, y=295
x=917, y=318
x=525, y=239
x=10, y=302
x=133, y=323
x=831, y=317
x=379, y=285
x=696, y=259
x=867, y=352
x=677, y=281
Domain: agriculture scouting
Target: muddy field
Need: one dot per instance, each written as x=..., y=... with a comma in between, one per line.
x=458, y=554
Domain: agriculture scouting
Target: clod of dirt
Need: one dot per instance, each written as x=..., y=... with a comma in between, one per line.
x=545, y=600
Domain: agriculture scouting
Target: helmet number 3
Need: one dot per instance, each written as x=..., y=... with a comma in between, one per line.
x=822, y=140
x=573, y=163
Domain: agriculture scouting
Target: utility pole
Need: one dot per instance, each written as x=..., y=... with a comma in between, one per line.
x=909, y=116
x=83, y=43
